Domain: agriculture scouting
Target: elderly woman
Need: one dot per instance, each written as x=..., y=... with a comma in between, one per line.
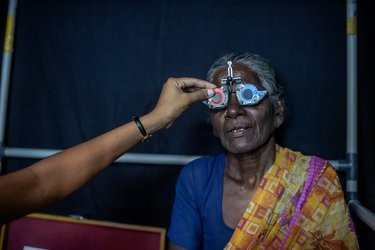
x=256, y=194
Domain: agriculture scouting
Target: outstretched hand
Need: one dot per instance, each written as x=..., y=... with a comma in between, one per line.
x=177, y=94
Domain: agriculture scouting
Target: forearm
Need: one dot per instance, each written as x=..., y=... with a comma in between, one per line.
x=74, y=166
x=57, y=176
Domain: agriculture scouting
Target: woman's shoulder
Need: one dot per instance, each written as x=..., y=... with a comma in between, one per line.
x=207, y=160
x=297, y=161
x=204, y=167
x=290, y=158
x=294, y=160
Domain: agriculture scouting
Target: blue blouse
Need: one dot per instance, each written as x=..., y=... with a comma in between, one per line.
x=197, y=220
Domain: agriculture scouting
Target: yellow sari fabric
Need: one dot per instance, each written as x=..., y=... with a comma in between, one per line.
x=322, y=222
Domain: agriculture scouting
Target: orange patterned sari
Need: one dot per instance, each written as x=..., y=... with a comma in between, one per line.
x=299, y=204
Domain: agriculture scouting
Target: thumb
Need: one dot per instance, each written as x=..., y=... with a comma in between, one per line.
x=200, y=95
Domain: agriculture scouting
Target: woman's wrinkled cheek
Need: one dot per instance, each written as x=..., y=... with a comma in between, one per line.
x=217, y=123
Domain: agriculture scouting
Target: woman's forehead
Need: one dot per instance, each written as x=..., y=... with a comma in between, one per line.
x=239, y=70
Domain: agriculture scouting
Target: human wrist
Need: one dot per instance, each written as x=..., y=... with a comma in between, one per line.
x=145, y=134
x=153, y=122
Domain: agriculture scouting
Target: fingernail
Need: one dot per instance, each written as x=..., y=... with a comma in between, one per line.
x=210, y=92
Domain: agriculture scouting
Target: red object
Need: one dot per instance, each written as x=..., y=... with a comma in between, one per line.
x=58, y=232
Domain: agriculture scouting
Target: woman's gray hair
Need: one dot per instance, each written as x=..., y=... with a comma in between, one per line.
x=257, y=64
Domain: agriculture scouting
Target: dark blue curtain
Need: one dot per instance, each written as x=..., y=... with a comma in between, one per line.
x=83, y=67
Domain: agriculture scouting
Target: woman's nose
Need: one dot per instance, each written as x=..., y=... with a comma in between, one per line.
x=234, y=109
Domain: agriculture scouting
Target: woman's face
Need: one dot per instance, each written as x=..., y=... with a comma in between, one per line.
x=243, y=129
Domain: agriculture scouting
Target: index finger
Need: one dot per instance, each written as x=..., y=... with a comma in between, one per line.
x=196, y=83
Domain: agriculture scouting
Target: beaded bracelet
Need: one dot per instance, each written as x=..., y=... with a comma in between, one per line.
x=145, y=136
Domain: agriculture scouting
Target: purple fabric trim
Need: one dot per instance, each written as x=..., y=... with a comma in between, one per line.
x=316, y=164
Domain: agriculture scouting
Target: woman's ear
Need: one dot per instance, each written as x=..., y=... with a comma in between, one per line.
x=279, y=113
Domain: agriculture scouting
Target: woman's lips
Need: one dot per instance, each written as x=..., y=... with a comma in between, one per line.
x=238, y=132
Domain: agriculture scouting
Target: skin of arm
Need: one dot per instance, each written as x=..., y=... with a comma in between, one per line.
x=55, y=177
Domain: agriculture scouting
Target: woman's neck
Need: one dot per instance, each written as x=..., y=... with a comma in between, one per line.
x=248, y=169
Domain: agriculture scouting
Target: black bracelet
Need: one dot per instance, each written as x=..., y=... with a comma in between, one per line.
x=145, y=136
